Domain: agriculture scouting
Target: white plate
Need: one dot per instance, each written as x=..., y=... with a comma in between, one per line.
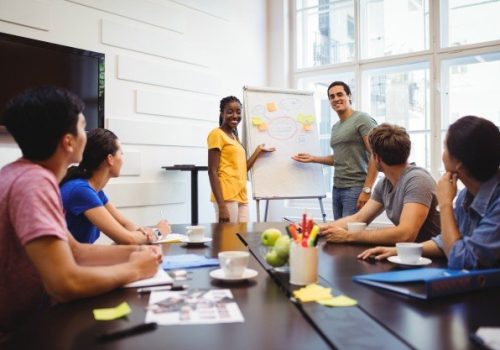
x=219, y=275
x=420, y=262
x=203, y=241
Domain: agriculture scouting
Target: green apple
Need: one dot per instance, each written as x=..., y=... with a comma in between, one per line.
x=269, y=236
x=273, y=259
x=282, y=247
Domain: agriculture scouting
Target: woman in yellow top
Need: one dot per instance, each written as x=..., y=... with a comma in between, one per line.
x=228, y=166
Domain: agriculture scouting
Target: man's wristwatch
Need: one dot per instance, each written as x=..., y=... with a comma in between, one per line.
x=367, y=190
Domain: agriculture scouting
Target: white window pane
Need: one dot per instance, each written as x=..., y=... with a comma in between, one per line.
x=420, y=149
x=470, y=87
x=400, y=95
x=306, y=3
x=391, y=27
x=325, y=33
x=469, y=21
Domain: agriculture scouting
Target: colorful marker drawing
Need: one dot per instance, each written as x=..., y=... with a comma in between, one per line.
x=290, y=104
x=282, y=128
x=273, y=118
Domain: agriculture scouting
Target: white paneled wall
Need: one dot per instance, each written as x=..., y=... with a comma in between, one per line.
x=168, y=63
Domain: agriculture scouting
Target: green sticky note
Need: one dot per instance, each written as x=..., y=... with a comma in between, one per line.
x=112, y=313
x=340, y=301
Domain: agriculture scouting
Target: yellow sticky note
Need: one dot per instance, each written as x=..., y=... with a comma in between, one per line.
x=112, y=313
x=312, y=292
x=256, y=121
x=340, y=301
x=271, y=106
x=309, y=119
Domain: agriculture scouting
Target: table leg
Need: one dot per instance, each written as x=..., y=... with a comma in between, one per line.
x=194, y=197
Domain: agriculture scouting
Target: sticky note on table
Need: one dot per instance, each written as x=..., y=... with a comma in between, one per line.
x=312, y=292
x=340, y=301
x=112, y=313
x=271, y=107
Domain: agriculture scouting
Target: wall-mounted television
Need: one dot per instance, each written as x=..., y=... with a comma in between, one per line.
x=27, y=63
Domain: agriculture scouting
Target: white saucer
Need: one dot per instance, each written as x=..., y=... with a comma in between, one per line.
x=203, y=241
x=420, y=262
x=219, y=275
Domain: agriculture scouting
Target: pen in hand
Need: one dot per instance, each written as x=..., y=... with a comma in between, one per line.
x=137, y=329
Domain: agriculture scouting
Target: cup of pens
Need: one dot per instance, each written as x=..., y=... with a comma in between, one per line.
x=304, y=253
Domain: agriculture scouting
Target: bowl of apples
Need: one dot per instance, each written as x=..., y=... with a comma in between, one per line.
x=275, y=249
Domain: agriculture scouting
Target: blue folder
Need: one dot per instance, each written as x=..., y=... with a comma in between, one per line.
x=431, y=282
x=187, y=261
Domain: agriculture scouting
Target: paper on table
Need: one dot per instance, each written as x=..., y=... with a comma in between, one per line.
x=339, y=301
x=312, y=292
x=112, y=313
x=490, y=336
x=193, y=307
x=172, y=238
x=161, y=277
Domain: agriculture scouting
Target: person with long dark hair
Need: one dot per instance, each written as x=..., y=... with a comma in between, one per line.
x=228, y=165
x=470, y=232
x=88, y=210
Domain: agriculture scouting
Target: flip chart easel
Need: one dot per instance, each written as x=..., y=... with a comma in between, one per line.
x=285, y=119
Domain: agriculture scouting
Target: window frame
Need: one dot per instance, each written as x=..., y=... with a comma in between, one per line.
x=434, y=56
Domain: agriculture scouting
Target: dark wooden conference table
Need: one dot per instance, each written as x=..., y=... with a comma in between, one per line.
x=273, y=320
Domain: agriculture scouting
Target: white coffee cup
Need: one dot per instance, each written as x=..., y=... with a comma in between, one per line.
x=195, y=233
x=356, y=226
x=233, y=263
x=409, y=252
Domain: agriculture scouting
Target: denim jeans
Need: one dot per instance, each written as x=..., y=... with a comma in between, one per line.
x=344, y=201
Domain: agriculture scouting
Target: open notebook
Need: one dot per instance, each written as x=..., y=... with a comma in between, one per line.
x=160, y=278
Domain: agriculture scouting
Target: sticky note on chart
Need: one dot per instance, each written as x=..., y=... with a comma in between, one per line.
x=262, y=127
x=256, y=121
x=306, y=119
x=271, y=107
x=112, y=313
x=308, y=127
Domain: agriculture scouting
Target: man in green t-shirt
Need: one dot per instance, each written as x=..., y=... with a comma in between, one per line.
x=354, y=172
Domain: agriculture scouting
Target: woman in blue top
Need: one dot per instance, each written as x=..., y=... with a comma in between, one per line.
x=470, y=236
x=87, y=208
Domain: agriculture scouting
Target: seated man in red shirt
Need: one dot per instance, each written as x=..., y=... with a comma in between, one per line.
x=40, y=262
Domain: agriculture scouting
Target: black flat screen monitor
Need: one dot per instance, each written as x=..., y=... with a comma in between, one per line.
x=27, y=63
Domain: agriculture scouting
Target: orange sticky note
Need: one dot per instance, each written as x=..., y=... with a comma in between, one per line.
x=262, y=126
x=271, y=106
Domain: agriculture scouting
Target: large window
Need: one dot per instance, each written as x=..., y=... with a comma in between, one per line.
x=417, y=63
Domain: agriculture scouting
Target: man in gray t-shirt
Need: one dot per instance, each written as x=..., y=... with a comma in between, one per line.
x=407, y=194
x=355, y=172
